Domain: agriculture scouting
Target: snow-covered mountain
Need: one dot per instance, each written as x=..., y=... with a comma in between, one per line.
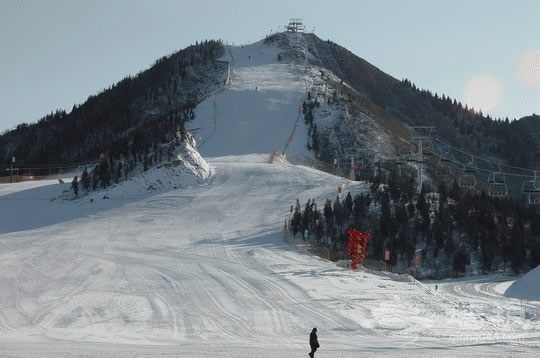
x=260, y=111
x=191, y=259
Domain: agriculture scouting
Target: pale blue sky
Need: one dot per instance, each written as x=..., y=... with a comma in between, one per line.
x=55, y=53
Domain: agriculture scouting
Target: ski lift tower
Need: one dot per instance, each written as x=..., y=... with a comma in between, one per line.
x=420, y=136
x=295, y=26
x=352, y=154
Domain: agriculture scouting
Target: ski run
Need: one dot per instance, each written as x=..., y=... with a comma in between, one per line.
x=191, y=261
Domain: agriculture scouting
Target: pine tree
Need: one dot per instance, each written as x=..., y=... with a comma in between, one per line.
x=411, y=209
x=95, y=177
x=460, y=260
x=75, y=186
x=338, y=215
x=487, y=253
x=118, y=173
x=455, y=191
x=517, y=253
x=307, y=216
x=423, y=222
x=348, y=204
x=535, y=252
x=104, y=174
x=360, y=209
x=296, y=221
x=85, y=180
x=329, y=214
x=387, y=226
x=402, y=217
x=315, y=139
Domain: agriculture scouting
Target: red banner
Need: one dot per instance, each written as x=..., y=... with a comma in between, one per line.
x=356, y=247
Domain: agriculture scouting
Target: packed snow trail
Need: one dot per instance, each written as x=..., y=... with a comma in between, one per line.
x=204, y=272
x=132, y=276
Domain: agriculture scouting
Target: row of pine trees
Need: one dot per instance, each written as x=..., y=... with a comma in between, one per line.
x=451, y=230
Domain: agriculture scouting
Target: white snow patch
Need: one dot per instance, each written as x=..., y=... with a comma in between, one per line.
x=527, y=287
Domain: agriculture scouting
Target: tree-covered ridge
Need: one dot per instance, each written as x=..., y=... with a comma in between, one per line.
x=129, y=117
x=511, y=142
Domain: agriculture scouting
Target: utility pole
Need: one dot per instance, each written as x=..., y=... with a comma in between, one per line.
x=11, y=170
x=352, y=168
x=422, y=135
x=420, y=161
x=352, y=153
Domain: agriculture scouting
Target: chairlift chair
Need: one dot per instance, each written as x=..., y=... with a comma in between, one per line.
x=442, y=170
x=470, y=167
x=428, y=152
x=531, y=187
x=467, y=181
x=497, y=187
x=411, y=156
x=399, y=161
x=533, y=199
x=469, y=170
x=496, y=178
x=497, y=190
x=446, y=156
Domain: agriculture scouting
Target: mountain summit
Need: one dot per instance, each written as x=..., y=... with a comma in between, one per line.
x=291, y=92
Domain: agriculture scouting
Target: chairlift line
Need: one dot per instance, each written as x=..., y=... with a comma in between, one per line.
x=491, y=162
x=496, y=179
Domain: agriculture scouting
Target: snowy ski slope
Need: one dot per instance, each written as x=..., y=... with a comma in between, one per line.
x=261, y=110
x=181, y=263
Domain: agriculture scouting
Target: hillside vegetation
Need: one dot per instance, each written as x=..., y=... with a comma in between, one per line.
x=125, y=120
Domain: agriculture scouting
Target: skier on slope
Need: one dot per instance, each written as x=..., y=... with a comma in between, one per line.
x=313, y=342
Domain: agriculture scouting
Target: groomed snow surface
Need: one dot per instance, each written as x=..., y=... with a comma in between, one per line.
x=191, y=261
